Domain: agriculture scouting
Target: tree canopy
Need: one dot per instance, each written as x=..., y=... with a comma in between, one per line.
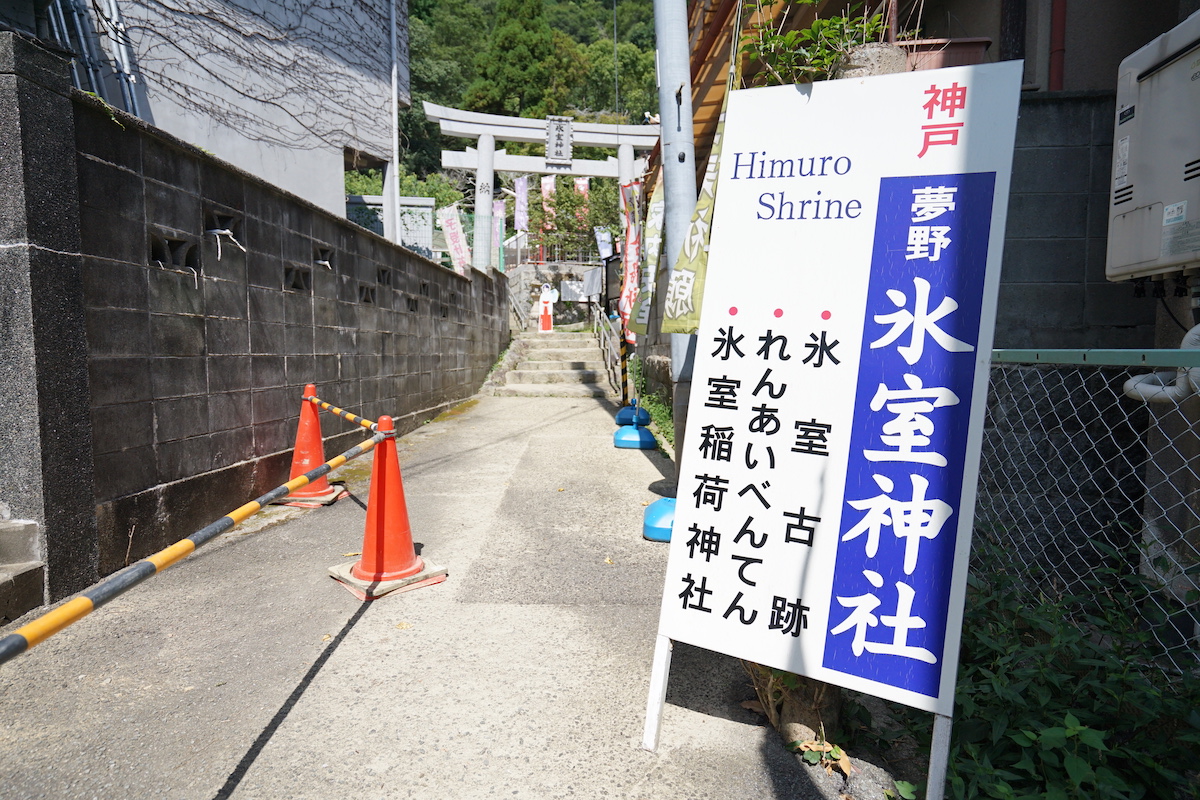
x=526, y=58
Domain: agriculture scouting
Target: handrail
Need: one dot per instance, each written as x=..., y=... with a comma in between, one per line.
x=607, y=336
x=522, y=313
x=50, y=623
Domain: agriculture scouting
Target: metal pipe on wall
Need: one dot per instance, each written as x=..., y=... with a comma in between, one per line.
x=123, y=56
x=391, y=206
x=1058, y=44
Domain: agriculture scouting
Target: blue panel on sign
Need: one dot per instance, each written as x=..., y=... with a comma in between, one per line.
x=891, y=586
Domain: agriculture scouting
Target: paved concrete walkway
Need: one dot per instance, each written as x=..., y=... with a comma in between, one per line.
x=246, y=672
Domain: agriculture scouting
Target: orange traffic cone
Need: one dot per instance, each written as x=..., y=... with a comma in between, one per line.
x=308, y=455
x=389, y=561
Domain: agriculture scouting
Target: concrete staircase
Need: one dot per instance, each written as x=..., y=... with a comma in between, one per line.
x=558, y=365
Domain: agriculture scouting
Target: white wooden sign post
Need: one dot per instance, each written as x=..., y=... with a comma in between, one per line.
x=827, y=480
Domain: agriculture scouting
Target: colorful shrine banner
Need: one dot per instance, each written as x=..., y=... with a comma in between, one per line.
x=456, y=238
x=827, y=479
x=630, y=253
x=583, y=186
x=639, y=316
x=685, y=288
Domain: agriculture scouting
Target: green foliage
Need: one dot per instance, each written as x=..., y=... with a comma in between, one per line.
x=1056, y=709
x=585, y=21
x=527, y=58
x=809, y=54
x=573, y=218
x=657, y=404
x=436, y=185
x=516, y=67
x=635, y=79
x=364, y=181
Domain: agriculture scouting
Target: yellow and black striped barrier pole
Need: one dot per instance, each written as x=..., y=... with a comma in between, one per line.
x=624, y=370
x=343, y=413
x=117, y=584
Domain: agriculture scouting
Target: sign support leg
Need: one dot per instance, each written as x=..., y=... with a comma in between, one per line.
x=939, y=756
x=659, y=671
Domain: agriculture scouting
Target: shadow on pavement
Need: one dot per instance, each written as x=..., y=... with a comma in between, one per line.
x=239, y=772
x=710, y=683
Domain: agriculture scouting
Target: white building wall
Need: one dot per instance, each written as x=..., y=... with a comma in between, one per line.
x=276, y=87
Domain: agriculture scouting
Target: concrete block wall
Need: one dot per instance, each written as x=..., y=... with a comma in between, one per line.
x=198, y=352
x=154, y=367
x=1053, y=293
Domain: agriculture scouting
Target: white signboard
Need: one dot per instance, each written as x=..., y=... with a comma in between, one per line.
x=558, y=140
x=572, y=291
x=593, y=282
x=827, y=478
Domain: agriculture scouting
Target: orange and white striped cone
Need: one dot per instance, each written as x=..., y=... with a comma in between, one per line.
x=308, y=455
x=389, y=561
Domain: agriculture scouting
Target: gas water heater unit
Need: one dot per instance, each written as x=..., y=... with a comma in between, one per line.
x=1154, y=216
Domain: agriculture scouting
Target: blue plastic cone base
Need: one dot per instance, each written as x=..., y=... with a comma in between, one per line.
x=631, y=437
x=633, y=415
x=658, y=519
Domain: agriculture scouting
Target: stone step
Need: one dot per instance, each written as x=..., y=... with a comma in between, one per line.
x=596, y=364
x=555, y=376
x=18, y=541
x=21, y=573
x=576, y=354
x=20, y=589
x=558, y=340
x=554, y=390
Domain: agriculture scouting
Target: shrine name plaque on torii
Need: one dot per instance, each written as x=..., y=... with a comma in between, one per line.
x=485, y=159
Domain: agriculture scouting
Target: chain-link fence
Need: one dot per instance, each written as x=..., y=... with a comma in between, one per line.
x=1090, y=480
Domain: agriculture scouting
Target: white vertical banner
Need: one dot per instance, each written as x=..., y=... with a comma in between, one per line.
x=521, y=205
x=827, y=479
x=499, y=211
x=456, y=238
x=604, y=241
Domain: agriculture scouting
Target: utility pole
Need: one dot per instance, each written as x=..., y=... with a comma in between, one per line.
x=679, y=174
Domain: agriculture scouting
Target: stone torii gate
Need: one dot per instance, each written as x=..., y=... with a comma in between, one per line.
x=486, y=159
